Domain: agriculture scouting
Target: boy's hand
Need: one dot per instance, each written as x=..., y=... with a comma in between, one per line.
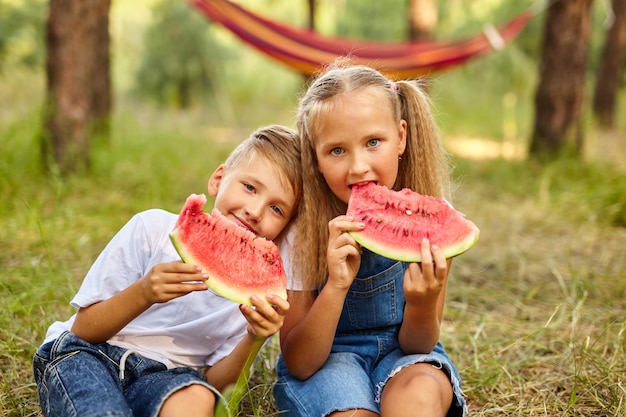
x=264, y=320
x=171, y=280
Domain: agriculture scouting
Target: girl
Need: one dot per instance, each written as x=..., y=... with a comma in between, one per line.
x=361, y=336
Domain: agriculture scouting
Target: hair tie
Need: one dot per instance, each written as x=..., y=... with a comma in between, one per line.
x=394, y=86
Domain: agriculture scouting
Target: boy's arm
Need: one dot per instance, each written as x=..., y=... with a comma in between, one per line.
x=226, y=371
x=100, y=321
x=264, y=320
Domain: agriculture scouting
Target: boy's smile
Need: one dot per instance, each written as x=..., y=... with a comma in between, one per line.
x=255, y=195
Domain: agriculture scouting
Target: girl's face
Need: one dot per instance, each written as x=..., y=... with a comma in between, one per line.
x=255, y=195
x=358, y=141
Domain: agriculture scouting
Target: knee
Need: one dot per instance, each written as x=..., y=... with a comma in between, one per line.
x=194, y=399
x=420, y=386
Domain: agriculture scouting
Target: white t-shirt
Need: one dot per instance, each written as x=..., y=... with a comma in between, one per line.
x=195, y=330
x=286, y=253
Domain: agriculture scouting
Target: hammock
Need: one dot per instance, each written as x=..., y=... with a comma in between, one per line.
x=307, y=51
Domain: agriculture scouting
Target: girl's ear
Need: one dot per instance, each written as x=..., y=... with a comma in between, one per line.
x=402, y=134
x=216, y=179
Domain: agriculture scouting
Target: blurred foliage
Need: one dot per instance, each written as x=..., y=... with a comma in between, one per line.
x=376, y=20
x=179, y=58
x=22, y=27
x=167, y=54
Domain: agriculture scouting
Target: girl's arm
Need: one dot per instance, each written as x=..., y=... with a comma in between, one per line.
x=100, y=321
x=425, y=292
x=309, y=330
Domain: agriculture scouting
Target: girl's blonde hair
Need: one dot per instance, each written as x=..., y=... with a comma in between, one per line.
x=422, y=168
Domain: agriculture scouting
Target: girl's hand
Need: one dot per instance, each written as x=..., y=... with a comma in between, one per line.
x=264, y=319
x=343, y=253
x=167, y=281
x=424, y=281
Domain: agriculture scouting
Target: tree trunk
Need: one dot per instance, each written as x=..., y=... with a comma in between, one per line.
x=311, y=6
x=611, y=68
x=560, y=94
x=422, y=19
x=78, y=81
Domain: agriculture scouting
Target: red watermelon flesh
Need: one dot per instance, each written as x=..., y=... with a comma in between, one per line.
x=397, y=221
x=239, y=263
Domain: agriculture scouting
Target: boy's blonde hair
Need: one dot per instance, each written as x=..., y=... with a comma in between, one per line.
x=423, y=167
x=280, y=145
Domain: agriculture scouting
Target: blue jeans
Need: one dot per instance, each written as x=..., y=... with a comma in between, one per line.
x=75, y=378
x=365, y=352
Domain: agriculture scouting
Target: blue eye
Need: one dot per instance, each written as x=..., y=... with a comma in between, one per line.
x=248, y=187
x=336, y=151
x=277, y=210
x=373, y=142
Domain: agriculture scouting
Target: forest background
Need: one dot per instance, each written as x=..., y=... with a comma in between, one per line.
x=535, y=317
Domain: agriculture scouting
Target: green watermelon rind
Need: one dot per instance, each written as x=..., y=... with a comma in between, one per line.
x=413, y=254
x=453, y=233
x=222, y=286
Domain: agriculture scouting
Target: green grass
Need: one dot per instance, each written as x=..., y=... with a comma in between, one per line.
x=535, y=318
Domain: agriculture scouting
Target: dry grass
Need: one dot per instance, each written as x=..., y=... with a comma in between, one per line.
x=535, y=318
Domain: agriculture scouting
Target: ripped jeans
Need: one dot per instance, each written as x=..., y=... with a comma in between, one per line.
x=75, y=378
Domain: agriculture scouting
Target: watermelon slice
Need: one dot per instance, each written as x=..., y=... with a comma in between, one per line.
x=397, y=221
x=238, y=262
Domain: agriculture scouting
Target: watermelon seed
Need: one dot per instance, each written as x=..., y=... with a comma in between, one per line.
x=406, y=232
x=379, y=220
x=409, y=212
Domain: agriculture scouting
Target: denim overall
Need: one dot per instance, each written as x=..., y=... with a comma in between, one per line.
x=365, y=352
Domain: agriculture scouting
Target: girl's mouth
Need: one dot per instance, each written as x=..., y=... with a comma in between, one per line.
x=362, y=183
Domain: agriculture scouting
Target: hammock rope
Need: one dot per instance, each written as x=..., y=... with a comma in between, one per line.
x=306, y=51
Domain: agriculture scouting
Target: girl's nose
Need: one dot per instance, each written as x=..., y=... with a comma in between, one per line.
x=359, y=166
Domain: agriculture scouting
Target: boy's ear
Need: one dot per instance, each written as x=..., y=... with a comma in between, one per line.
x=216, y=179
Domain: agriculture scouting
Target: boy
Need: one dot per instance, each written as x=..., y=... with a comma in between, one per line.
x=146, y=323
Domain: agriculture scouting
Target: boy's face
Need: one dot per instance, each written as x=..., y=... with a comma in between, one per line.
x=255, y=195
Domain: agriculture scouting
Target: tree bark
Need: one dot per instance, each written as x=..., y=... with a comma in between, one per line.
x=611, y=68
x=78, y=81
x=422, y=19
x=560, y=94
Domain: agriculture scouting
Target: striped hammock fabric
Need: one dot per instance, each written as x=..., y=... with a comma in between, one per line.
x=307, y=51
